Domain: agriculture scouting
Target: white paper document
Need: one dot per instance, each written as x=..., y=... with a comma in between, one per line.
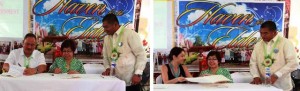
x=14, y=71
x=67, y=76
x=209, y=79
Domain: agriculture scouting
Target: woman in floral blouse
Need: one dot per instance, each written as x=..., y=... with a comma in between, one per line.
x=67, y=63
x=213, y=60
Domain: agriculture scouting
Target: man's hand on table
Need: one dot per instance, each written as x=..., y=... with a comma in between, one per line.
x=256, y=80
x=5, y=67
x=106, y=72
x=273, y=78
x=30, y=71
x=136, y=79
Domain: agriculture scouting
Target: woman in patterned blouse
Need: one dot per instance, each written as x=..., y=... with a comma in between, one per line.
x=67, y=63
x=213, y=59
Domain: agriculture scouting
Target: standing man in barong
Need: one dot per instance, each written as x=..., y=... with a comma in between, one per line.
x=123, y=47
x=276, y=54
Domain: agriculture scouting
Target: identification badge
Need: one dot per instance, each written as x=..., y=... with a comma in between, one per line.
x=120, y=44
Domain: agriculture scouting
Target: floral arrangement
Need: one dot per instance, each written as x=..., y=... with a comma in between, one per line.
x=114, y=55
x=269, y=60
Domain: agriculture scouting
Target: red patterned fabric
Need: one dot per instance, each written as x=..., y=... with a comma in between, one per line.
x=57, y=53
x=203, y=64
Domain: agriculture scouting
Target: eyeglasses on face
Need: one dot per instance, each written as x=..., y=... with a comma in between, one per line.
x=212, y=59
x=67, y=51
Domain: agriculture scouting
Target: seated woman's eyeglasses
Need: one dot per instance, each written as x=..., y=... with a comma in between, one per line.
x=212, y=59
x=67, y=51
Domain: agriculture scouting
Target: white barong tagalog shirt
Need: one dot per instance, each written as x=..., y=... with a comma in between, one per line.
x=132, y=57
x=285, y=61
x=17, y=57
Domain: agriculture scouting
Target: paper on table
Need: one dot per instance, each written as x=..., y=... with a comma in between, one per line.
x=67, y=76
x=209, y=79
x=14, y=71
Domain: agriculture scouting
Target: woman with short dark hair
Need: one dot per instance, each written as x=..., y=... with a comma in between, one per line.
x=67, y=63
x=213, y=59
x=175, y=71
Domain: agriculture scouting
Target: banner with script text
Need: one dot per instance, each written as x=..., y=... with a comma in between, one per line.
x=224, y=24
x=79, y=19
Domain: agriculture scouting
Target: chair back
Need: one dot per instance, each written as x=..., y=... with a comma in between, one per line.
x=94, y=68
x=158, y=80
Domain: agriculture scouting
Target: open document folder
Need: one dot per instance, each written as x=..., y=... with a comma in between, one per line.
x=209, y=79
x=14, y=71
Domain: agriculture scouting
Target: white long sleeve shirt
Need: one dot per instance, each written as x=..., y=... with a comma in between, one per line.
x=17, y=57
x=132, y=57
x=285, y=61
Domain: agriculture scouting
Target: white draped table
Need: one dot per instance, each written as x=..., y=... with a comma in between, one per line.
x=62, y=82
x=213, y=87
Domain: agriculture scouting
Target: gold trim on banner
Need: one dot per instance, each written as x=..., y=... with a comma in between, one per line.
x=174, y=30
x=29, y=18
